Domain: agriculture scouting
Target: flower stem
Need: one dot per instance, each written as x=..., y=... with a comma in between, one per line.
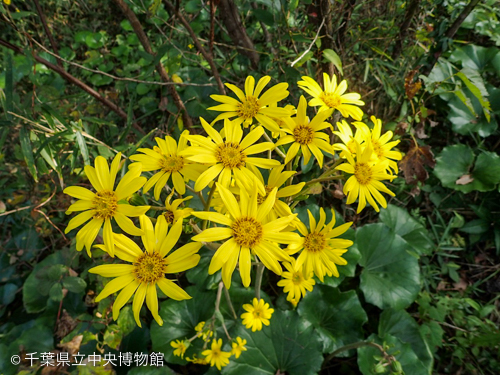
x=226, y=294
x=278, y=151
x=258, y=279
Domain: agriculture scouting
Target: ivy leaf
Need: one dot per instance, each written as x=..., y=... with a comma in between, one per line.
x=288, y=345
x=338, y=317
x=404, y=225
x=391, y=276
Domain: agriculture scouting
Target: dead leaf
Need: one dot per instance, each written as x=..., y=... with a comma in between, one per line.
x=73, y=346
x=461, y=286
x=401, y=128
x=414, y=162
x=464, y=180
x=411, y=88
x=316, y=188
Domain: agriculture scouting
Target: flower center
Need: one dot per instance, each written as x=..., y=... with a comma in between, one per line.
x=150, y=268
x=248, y=108
x=230, y=155
x=331, y=100
x=303, y=134
x=171, y=163
x=105, y=204
x=260, y=198
x=169, y=216
x=257, y=313
x=314, y=242
x=363, y=173
x=247, y=232
x=297, y=278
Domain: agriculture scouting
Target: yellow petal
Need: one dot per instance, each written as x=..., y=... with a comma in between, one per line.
x=140, y=294
x=79, y=193
x=152, y=303
x=123, y=298
x=172, y=290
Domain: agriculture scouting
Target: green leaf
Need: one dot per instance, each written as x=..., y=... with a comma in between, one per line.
x=56, y=292
x=391, y=276
x=179, y=320
x=463, y=121
x=7, y=293
x=75, y=284
x=455, y=162
x=474, y=57
x=82, y=145
x=199, y=274
x=126, y=320
x=27, y=149
x=403, y=352
x=288, y=345
x=142, y=89
x=35, y=301
x=331, y=56
x=9, y=84
x=400, y=324
x=338, y=317
x=475, y=84
x=404, y=225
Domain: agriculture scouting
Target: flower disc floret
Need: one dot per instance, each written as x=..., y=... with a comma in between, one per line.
x=230, y=155
x=303, y=134
x=314, y=242
x=247, y=231
x=150, y=268
x=171, y=163
x=105, y=204
x=249, y=108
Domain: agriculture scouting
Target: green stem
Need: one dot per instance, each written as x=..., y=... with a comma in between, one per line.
x=278, y=151
x=258, y=279
x=207, y=204
x=198, y=193
x=228, y=299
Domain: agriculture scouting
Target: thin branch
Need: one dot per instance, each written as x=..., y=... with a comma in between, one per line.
x=206, y=54
x=139, y=31
x=47, y=31
x=120, y=78
x=73, y=80
x=310, y=46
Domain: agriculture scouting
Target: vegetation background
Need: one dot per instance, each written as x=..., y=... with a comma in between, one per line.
x=85, y=78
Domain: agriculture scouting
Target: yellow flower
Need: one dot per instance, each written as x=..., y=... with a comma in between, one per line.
x=216, y=356
x=348, y=138
x=366, y=178
x=166, y=158
x=257, y=314
x=382, y=146
x=332, y=96
x=321, y=251
x=148, y=267
x=230, y=156
x=196, y=360
x=295, y=283
x=105, y=204
x=180, y=347
x=306, y=135
x=238, y=347
x=276, y=179
x=204, y=334
x=250, y=106
x=173, y=212
x=247, y=233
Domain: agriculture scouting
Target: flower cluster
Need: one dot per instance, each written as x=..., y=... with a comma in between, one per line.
x=242, y=170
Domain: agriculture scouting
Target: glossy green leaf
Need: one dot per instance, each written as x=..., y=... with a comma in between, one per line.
x=404, y=225
x=75, y=284
x=338, y=317
x=390, y=276
x=288, y=345
x=454, y=167
x=179, y=320
x=400, y=324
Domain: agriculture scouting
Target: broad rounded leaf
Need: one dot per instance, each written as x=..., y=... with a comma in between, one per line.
x=403, y=352
x=179, y=320
x=406, y=226
x=338, y=317
x=288, y=345
x=391, y=276
x=401, y=325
